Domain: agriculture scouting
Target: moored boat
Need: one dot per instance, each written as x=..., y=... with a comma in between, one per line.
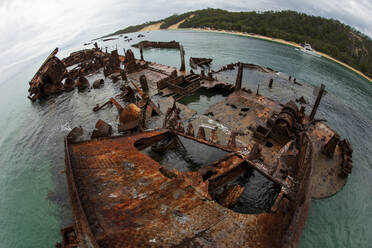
x=309, y=50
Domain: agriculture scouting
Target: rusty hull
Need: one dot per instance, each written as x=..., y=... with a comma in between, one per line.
x=121, y=198
x=158, y=44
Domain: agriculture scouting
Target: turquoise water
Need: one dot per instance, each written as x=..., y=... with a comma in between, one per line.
x=33, y=193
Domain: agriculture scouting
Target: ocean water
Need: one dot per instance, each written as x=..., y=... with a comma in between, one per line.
x=34, y=202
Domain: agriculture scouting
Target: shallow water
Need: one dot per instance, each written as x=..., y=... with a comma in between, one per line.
x=259, y=193
x=33, y=193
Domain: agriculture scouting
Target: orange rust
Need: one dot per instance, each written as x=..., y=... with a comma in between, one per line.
x=126, y=195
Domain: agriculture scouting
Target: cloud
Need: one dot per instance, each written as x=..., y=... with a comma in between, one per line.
x=31, y=28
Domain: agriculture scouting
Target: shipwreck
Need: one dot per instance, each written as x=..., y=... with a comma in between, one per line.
x=173, y=179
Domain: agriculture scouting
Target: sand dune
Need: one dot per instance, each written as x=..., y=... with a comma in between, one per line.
x=152, y=27
x=175, y=26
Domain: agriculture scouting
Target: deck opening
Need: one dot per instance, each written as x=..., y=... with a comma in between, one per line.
x=244, y=190
x=259, y=193
x=183, y=154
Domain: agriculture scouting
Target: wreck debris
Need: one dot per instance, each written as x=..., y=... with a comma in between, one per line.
x=87, y=58
x=98, y=83
x=128, y=116
x=97, y=107
x=182, y=53
x=130, y=63
x=109, y=39
x=255, y=152
x=47, y=80
x=190, y=130
x=114, y=78
x=144, y=85
x=257, y=67
x=228, y=67
x=123, y=75
x=201, y=133
x=69, y=84
x=172, y=117
x=75, y=134
x=180, y=85
x=317, y=101
x=230, y=196
x=69, y=238
x=141, y=51
x=214, y=137
x=301, y=100
x=330, y=146
x=102, y=130
x=82, y=84
x=201, y=62
x=347, y=162
x=238, y=83
x=232, y=140
x=157, y=44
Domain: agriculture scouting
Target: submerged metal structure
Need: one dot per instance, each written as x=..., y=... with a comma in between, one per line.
x=170, y=180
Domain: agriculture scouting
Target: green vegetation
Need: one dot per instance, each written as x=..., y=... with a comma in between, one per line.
x=325, y=35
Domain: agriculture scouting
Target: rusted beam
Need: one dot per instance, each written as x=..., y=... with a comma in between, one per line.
x=144, y=84
x=239, y=77
x=182, y=53
x=141, y=51
x=317, y=102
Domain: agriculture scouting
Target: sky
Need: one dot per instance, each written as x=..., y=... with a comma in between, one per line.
x=32, y=28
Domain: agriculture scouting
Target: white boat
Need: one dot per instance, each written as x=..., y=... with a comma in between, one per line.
x=307, y=49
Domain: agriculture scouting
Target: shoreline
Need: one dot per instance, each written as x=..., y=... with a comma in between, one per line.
x=156, y=26
x=281, y=41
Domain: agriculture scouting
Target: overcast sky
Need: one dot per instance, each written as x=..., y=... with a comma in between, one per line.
x=38, y=26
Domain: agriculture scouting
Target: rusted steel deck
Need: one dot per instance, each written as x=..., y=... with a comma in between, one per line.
x=121, y=198
x=243, y=112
